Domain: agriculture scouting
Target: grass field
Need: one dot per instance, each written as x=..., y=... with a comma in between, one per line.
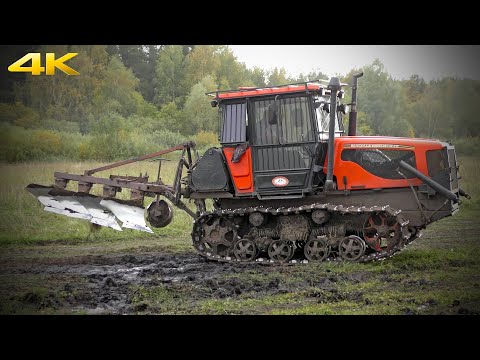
x=47, y=265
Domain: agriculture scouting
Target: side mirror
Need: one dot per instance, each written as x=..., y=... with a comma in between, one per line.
x=326, y=108
x=343, y=108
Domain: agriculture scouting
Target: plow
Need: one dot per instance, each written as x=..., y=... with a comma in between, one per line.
x=287, y=184
x=106, y=210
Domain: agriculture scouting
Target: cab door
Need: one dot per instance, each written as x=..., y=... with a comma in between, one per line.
x=234, y=139
x=283, y=143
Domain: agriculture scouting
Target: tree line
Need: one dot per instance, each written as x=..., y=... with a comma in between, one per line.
x=132, y=98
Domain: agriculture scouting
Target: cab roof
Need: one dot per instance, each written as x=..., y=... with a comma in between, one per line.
x=244, y=92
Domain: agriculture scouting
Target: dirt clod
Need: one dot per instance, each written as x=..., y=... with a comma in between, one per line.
x=432, y=302
x=408, y=311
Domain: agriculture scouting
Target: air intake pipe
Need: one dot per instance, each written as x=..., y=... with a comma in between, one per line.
x=352, y=116
x=334, y=86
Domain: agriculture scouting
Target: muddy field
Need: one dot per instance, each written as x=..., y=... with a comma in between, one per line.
x=438, y=274
x=106, y=283
x=103, y=284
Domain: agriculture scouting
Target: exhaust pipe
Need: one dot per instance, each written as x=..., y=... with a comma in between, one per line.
x=352, y=116
x=334, y=86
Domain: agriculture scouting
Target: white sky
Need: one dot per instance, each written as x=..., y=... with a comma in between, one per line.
x=401, y=61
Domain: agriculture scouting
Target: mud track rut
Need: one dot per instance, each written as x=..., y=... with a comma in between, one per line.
x=104, y=283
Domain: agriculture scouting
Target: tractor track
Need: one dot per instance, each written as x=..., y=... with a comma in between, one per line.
x=406, y=236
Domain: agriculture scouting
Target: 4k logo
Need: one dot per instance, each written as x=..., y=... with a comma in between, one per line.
x=50, y=64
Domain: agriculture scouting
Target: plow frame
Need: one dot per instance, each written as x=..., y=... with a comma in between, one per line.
x=139, y=186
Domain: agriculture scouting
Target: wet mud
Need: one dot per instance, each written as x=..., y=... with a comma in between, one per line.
x=170, y=283
x=106, y=284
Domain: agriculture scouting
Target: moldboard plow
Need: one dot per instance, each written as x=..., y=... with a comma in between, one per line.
x=108, y=210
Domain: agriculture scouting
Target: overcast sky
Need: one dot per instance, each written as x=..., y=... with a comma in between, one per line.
x=401, y=61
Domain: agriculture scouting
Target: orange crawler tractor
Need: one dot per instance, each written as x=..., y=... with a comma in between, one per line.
x=287, y=184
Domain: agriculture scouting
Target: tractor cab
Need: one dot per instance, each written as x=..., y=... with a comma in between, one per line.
x=274, y=139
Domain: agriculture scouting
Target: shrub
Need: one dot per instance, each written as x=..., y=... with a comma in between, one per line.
x=206, y=139
x=12, y=113
x=116, y=145
x=19, y=144
x=74, y=146
x=30, y=120
x=61, y=125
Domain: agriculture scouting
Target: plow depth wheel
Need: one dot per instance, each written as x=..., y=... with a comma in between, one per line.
x=159, y=214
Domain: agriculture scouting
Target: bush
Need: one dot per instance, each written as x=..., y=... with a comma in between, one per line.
x=19, y=144
x=167, y=138
x=46, y=142
x=206, y=139
x=109, y=124
x=74, y=146
x=17, y=114
x=15, y=144
x=125, y=144
x=31, y=120
x=112, y=137
x=61, y=125
x=84, y=151
x=111, y=146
